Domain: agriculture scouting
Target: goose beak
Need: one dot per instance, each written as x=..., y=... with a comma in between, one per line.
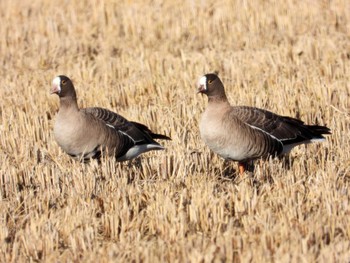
x=55, y=89
x=201, y=89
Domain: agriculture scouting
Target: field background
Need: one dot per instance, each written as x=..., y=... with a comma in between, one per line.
x=143, y=59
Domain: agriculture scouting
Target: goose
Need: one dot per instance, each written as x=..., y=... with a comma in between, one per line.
x=243, y=133
x=89, y=133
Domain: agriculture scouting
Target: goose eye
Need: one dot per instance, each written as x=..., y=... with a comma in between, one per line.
x=64, y=82
x=210, y=81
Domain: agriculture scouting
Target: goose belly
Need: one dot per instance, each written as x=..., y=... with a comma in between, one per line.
x=224, y=142
x=75, y=139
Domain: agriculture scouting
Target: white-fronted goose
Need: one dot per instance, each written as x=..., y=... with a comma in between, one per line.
x=91, y=132
x=244, y=133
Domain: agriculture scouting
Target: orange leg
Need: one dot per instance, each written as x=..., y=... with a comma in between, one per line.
x=241, y=168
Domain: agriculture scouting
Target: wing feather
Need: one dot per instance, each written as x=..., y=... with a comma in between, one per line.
x=288, y=130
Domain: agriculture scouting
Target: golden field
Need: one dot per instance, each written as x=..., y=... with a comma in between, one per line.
x=142, y=59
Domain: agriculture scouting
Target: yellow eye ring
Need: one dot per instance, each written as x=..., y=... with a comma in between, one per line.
x=210, y=81
x=64, y=82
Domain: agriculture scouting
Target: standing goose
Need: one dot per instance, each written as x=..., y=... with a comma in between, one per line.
x=244, y=133
x=91, y=132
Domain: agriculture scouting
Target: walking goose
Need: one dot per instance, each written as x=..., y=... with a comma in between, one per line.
x=91, y=132
x=243, y=134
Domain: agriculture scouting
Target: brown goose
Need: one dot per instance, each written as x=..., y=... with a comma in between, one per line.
x=90, y=132
x=244, y=133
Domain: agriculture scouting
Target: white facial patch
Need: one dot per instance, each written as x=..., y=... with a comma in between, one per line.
x=203, y=82
x=57, y=84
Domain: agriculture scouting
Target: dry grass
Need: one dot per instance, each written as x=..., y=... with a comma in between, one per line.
x=142, y=59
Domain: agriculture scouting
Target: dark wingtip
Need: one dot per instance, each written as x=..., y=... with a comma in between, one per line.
x=144, y=128
x=319, y=130
x=160, y=136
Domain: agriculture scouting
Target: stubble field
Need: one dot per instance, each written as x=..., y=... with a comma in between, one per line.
x=142, y=59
